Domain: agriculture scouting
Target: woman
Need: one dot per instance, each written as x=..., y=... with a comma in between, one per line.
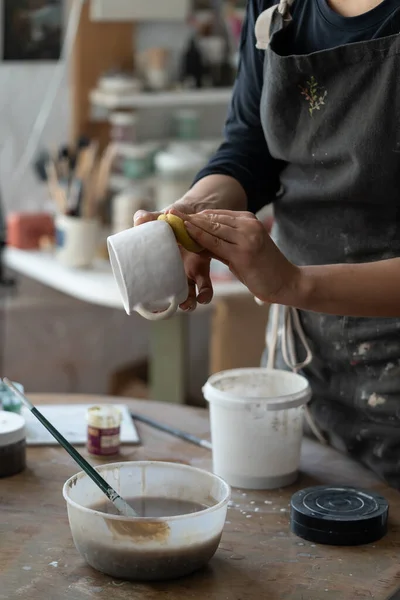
x=314, y=127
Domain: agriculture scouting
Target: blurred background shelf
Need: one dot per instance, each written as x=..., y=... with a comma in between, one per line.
x=202, y=97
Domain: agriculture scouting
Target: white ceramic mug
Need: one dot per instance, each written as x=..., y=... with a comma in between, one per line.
x=77, y=240
x=148, y=269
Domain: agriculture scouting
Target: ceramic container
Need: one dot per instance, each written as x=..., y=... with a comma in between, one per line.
x=187, y=124
x=176, y=168
x=123, y=127
x=257, y=426
x=136, y=160
x=148, y=269
x=125, y=204
x=12, y=444
x=77, y=241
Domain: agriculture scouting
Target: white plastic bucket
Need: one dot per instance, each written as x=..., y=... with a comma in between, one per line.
x=257, y=426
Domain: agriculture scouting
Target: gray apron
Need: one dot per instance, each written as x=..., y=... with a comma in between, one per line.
x=333, y=118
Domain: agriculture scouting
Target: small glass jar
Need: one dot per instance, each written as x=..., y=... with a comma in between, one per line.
x=187, y=124
x=123, y=131
x=8, y=400
x=125, y=204
x=104, y=430
x=137, y=161
x=175, y=172
x=123, y=127
x=12, y=444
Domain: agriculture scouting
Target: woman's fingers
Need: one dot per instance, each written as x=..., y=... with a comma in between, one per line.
x=224, y=227
x=217, y=246
x=205, y=290
x=197, y=268
x=232, y=213
x=190, y=303
x=144, y=216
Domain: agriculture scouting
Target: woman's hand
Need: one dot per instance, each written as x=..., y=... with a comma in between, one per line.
x=214, y=191
x=241, y=241
x=197, y=266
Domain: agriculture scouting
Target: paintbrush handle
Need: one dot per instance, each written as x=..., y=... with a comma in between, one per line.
x=82, y=462
x=183, y=435
x=56, y=192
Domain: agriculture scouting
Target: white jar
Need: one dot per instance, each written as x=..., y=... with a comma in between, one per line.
x=124, y=206
x=103, y=431
x=77, y=241
x=123, y=127
x=187, y=124
x=175, y=172
x=137, y=160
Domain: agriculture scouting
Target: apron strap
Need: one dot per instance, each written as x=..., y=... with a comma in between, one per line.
x=264, y=21
x=291, y=324
x=285, y=333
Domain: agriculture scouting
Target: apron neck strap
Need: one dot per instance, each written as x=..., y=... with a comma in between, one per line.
x=284, y=7
x=264, y=21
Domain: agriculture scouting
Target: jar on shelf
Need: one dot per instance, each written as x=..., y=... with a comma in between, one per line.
x=123, y=131
x=175, y=172
x=153, y=148
x=137, y=160
x=125, y=204
x=123, y=127
x=187, y=124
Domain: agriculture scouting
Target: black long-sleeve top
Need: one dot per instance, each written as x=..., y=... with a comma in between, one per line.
x=244, y=154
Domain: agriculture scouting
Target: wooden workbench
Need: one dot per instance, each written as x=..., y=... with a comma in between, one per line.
x=258, y=558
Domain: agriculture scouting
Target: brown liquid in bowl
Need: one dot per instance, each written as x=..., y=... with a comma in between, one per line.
x=139, y=564
x=153, y=507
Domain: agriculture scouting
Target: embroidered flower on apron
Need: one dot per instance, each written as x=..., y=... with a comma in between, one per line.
x=314, y=94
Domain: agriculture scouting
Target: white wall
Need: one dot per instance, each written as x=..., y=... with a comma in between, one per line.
x=22, y=90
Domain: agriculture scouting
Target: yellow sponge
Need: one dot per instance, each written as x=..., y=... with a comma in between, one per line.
x=180, y=231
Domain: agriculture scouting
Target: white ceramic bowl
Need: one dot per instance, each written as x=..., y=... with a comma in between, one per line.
x=148, y=549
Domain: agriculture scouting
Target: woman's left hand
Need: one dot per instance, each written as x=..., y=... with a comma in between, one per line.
x=241, y=241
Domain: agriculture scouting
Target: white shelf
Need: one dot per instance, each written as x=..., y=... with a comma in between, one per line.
x=202, y=97
x=95, y=286
x=139, y=10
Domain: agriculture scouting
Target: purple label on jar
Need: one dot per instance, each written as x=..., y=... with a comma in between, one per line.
x=103, y=442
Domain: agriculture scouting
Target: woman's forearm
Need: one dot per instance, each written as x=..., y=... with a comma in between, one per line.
x=360, y=290
x=215, y=192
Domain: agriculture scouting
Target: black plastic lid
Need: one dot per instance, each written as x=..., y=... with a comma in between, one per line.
x=339, y=516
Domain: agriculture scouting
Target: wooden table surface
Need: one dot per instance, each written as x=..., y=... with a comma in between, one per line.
x=259, y=559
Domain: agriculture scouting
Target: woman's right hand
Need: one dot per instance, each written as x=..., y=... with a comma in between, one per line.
x=212, y=192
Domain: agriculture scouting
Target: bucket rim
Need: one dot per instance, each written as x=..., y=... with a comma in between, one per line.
x=213, y=395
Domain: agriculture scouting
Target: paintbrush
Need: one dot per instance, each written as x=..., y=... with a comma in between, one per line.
x=84, y=166
x=102, y=180
x=89, y=200
x=57, y=194
x=120, y=504
x=183, y=435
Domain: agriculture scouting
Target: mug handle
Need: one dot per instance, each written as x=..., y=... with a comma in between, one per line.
x=158, y=316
